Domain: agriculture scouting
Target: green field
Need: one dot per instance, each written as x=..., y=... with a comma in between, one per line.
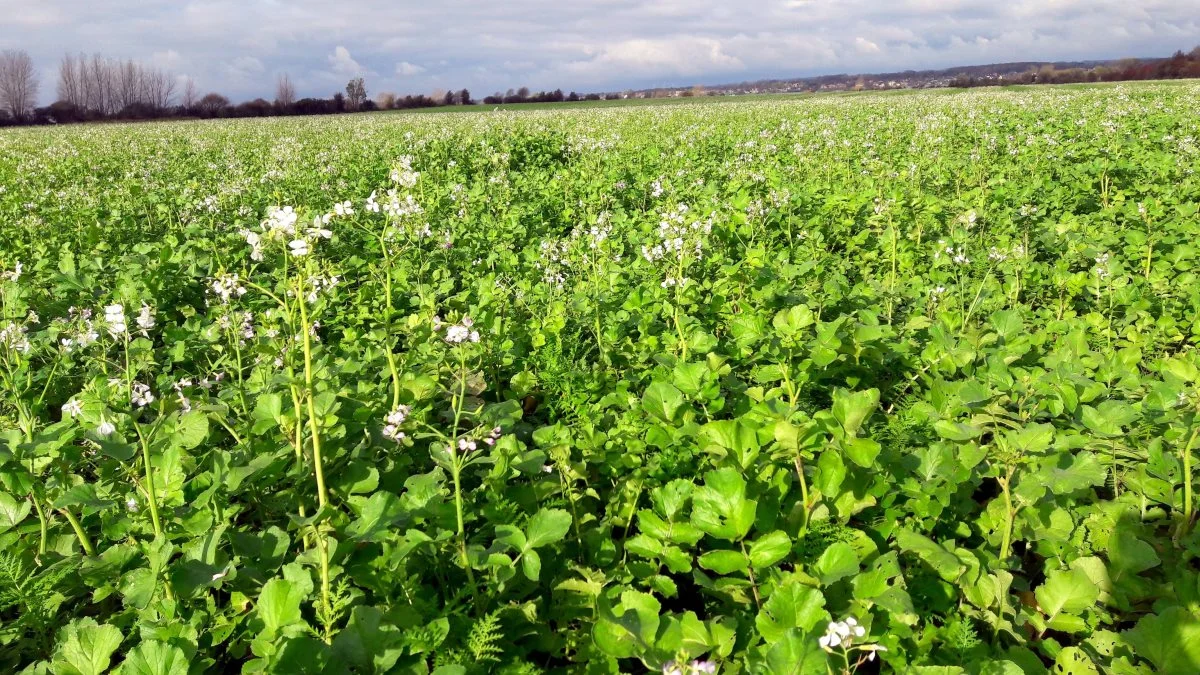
x=897, y=382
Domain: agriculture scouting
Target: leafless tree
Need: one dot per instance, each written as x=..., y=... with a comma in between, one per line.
x=356, y=93
x=189, y=94
x=385, y=100
x=70, y=81
x=18, y=82
x=285, y=91
x=108, y=86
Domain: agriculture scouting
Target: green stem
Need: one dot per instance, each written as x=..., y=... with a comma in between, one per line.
x=79, y=533
x=151, y=496
x=37, y=505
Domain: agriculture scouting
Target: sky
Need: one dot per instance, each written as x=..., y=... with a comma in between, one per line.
x=239, y=47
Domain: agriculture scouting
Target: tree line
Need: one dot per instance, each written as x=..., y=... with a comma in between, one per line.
x=95, y=87
x=1179, y=65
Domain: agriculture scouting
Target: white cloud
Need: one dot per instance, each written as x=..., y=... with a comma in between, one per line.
x=404, y=68
x=342, y=63
x=587, y=45
x=865, y=46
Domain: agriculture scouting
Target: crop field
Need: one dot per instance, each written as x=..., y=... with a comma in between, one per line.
x=901, y=383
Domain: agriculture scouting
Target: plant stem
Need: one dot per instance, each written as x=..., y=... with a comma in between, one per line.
x=313, y=427
x=151, y=496
x=79, y=533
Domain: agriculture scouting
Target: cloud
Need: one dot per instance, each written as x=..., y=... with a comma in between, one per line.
x=406, y=69
x=342, y=63
x=236, y=47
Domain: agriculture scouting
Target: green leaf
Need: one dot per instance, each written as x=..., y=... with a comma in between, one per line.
x=1170, y=640
x=279, y=605
x=367, y=642
x=1081, y=471
x=956, y=431
x=663, y=401
x=191, y=429
x=1129, y=556
x=152, y=657
x=1066, y=593
x=531, y=564
x=380, y=511
x=769, y=549
x=837, y=562
x=790, y=606
x=861, y=451
x=852, y=409
x=732, y=437
x=546, y=527
x=720, y=508
x=724, y=562
x=796, y=653
x=12, y=511
x=629, y=627
x=945, y=563
x=85, y=648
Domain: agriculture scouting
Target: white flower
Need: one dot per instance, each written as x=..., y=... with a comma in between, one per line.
x=14, y=275
x=72, y=408
x=140, y=395
x=344, y=208
x=456, y=334
x=114, y=318
x=106, y=428
x=145, y=319
x=299, y=247
x=132, y=505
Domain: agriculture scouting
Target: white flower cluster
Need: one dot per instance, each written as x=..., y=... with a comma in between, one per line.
x=679, y=235
x=1028, y=211
x=280, y=221
x=968, y=219
x=226, y=286
x=391, y=428
x=185, y=403
x=1102, y=271
x=843, y=634
x=957, y=256
x=72, y=408
x=140, y=395
x=85, y=333
x=114, y=319
x=145, y=319
x=394, y=206
x=319, y=284
x=457, y=333
x=696, y=667
x=403, y=174
x=12, y=336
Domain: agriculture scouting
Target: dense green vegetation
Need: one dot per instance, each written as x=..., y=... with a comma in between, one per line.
x=901, y=383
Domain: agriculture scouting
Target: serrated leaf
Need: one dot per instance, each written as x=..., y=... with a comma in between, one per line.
x=85, y=647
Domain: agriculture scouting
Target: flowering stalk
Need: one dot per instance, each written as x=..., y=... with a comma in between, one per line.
x=151, y=493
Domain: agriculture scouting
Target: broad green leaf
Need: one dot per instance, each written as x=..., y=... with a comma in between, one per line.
x=945, y=563
x=796, y=653
x=625, y=629
x=663, y=401
x=790, y=606
x=1170, y=640
x=853, y=408
x=769, y=549
x=378, y=513
x=837, y=562
x=1066, y=593
x=720, y=507
x=546, y=527
x=191, y=429
x=368, y=642
x=724, y=562
x=12, y=511
x=279, y=605
x=152, y=657
x=84, y=647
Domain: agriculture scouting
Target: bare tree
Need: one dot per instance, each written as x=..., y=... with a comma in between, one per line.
x=18, y=83
x=385, y=100
x=70, y=81
x=189, y=94
x=356, y=93
x=285, y=91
